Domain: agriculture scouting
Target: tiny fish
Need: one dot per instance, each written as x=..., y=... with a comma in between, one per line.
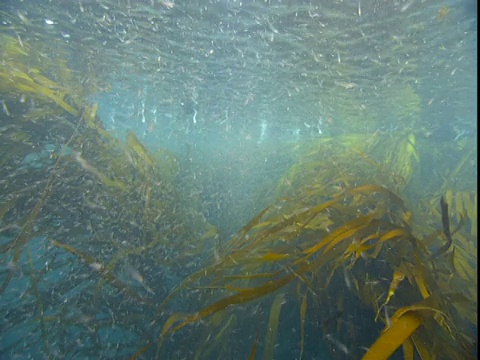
x=96, y=266
x=5, y=108
x=135, y=275
x=387, y=318
x=347, y=280
x=338, y=345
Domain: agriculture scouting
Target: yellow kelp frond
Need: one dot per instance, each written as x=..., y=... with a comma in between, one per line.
x=220, y=325
x=22, y=83
x=356, y=229
x=421, y=349
x=394, y=337
x=102, y=177
x=397, y=277
x=462, y=204
x=402, y=325
x=254, y=348
x=272, y=327
x=362, y=155
x=303, y=313
x=343, y=232
x=242, y=297
x=33, y=68
x=402, y=158
x=11, y=47
x=340, y=247
x=408, y=350
x=136, y=146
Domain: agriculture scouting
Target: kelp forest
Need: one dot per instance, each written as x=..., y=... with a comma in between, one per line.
x=364, y=248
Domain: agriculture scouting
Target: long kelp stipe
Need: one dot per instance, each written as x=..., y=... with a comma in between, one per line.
x=105, y=250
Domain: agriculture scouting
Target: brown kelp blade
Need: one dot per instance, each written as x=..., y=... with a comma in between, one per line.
x=402, y=326
x=254, y=348
x=242, y=297
x=394, y=337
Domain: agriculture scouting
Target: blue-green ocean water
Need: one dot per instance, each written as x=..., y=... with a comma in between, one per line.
x=230, y=88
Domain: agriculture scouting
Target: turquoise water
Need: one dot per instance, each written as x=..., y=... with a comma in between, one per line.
x=232, y=90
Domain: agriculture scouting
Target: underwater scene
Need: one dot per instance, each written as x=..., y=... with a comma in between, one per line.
x=228, y=179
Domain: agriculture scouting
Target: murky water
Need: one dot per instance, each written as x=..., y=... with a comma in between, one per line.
x=140, y=139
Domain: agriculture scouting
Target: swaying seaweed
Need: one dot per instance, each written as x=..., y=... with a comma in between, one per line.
x=346, y=254
x=361, y=230
x=102, y=219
